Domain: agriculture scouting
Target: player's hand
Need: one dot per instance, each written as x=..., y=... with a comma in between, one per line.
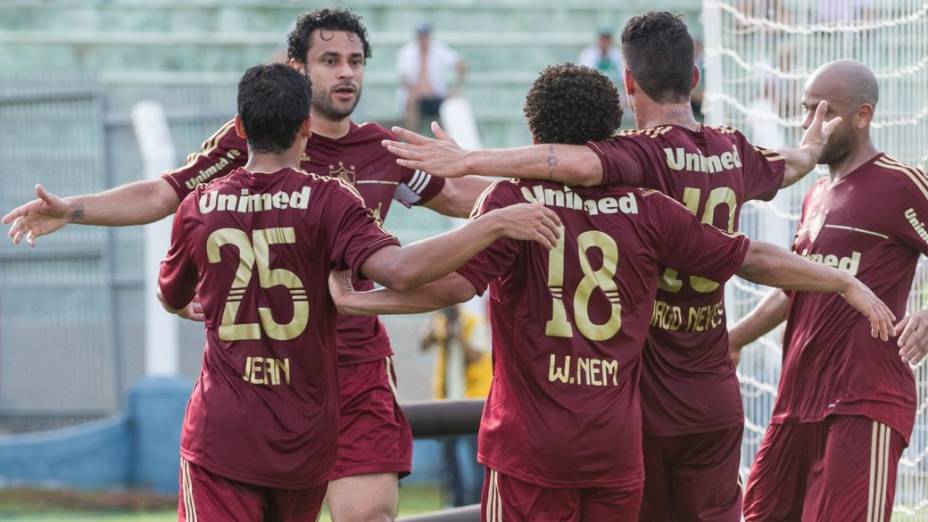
x=816, y=136
x=912, y=333
x=193, y=311
x=866, y=302
x=527, y=222
x=439, y=156
x=41, y=216
x=340, y=285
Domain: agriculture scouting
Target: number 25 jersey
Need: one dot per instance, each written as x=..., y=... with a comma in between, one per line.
x=257, y=250
x=569, y=326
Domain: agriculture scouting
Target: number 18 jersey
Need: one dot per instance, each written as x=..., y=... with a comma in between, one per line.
x=257, y=250
x=569, y=327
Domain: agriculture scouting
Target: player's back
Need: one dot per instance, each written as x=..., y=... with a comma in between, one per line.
x=265, y=407
x=569, y=326
x=688, y=381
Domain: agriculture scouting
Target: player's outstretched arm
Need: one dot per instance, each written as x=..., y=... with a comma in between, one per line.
x=449, y=290
x=768, y=265
x=801, y=161
x=441, y=156
x=402, y=268
x=131, y=204
x=767, y=315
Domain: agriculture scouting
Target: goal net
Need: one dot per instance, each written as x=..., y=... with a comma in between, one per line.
x=758, y=55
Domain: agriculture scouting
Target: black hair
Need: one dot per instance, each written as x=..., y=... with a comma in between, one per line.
x=329, y=19
x=658, y=51
x=273, y=101
x=572, y=104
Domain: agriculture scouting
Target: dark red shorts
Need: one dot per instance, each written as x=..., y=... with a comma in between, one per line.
x=841, y=469
x=693, y=477
x=206, y=497
x=512, y=500
x=373, y=434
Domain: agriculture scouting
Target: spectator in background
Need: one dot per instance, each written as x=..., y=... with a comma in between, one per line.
x=462, y=370
x=604, y=56
x=424, y=66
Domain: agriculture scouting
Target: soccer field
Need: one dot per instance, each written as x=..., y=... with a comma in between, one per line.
x=30, y=508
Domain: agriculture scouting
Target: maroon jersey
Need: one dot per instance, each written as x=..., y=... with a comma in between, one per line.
x=257, y=250
x=688, y=381
x=870, y=224
x=570, y=324
x=358, y=158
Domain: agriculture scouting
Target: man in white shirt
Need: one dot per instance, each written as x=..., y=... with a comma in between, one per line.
x=603, y=56
x=423, y=89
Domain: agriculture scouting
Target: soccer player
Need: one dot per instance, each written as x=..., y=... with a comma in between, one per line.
x=561, y=430
x=846, y=402
x=691, y=400
x=330, y=47
x=261, y=426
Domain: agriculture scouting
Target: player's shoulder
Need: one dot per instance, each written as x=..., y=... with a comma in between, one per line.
x=900, y=174
x=335, y=186
x=370, y=131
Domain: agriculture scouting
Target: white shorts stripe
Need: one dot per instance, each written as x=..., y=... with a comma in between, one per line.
x=871, y=484
x=887, y=437
x=499, y=498
x=190, y=510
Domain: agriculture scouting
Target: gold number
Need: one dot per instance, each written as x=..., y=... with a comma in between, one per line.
x=267, y=278
x=670, y=281
x=228, y=329
x=602, y=278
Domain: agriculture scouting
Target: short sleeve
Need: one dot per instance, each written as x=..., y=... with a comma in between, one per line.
x=496, y=259
x=763, y=170
x=911, y=213
x=626, y=162
x=220, y=154
x=355, y=232
x=418, y=187
x=693, y=247
x=177, y=278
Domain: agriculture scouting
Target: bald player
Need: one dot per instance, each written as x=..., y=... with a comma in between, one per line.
x=846, y=401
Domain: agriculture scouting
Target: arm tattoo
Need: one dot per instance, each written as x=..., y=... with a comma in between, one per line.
x=552, y=162
x=77, y=213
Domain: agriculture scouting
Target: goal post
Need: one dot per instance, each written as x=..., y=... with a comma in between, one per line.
x=758, y=55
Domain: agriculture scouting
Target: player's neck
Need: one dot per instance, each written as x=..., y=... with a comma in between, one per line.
x=650, y=115
x=332, y=129
x=860, y=155
x=269, y=162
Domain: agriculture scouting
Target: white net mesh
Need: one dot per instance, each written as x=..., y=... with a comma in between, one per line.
x=758, y=56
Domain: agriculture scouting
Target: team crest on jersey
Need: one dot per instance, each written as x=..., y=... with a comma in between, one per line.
x=815, y=224
x=342, y=172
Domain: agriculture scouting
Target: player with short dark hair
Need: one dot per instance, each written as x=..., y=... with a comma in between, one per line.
x=256, y=246
x=330, y=47
x=561, y=431
x=846, y=403
x=691, y=401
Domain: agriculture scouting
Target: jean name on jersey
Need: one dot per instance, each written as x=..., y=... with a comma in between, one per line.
x=207, y=174
x=267, y=370
x=848, y=264
x=567, y=198
x=680, y=159
x=245, y=202
x=696, y=318
x=583, y=371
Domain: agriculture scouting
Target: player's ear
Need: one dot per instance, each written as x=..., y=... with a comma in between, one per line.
x=534, y=140
x=296, y=65
x=695, y=77
x=240, y=127
x=629, y=81
x=864, y=115
x=306, y=126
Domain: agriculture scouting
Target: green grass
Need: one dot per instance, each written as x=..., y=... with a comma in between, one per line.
x=56, y=506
